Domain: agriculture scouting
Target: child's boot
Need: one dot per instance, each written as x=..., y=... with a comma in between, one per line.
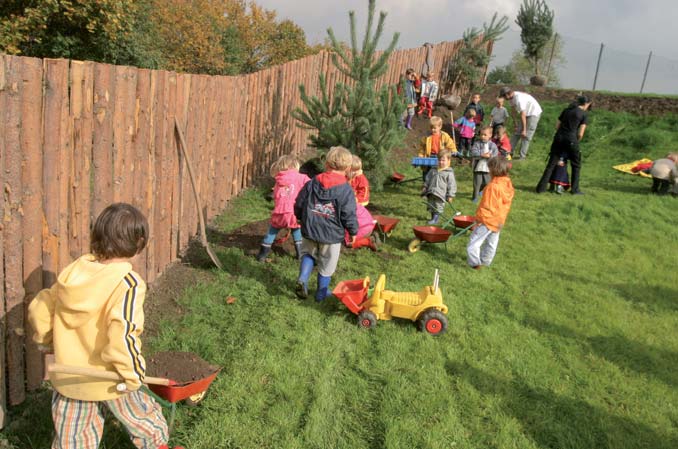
x=408, y=125
x=434, y=219
x=559, y=189
x=297, y=249
x=264, y=251
x=323, y=287
x=305, y=269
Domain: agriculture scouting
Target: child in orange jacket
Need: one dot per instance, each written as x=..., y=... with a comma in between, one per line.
x=491, y=215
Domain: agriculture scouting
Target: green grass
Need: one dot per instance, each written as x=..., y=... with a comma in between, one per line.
x=568, y=341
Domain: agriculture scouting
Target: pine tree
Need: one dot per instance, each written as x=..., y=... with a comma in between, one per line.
x=468, y=65
x=535, y=20
x=359, y=117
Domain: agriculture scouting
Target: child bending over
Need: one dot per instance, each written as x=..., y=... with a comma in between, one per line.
x=325, y=207
x=359, y=182
x=93, y=318
x=440, y=186
x=491, y=215
x=288, y=184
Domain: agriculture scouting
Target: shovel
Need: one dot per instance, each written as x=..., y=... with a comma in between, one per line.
x=100, y=374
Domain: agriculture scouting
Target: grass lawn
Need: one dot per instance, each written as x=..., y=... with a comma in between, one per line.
x=568, y=341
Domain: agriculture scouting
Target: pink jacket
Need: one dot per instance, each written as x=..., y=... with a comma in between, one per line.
x=365, y=223
x=288, y=184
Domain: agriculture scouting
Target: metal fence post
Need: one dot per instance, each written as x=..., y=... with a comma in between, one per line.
x=600, y=55
x=647, y=66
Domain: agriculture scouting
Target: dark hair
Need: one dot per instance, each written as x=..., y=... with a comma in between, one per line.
x=120, y=230
x=498, y=166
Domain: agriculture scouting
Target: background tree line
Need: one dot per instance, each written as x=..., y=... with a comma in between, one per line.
x=217, y=37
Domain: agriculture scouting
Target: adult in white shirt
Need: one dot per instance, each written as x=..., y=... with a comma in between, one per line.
x=530, y=112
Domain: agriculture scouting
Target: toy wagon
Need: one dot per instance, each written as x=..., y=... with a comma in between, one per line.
x=425, y=307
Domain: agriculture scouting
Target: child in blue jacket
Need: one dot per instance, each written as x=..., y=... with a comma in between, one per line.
x=326, y=208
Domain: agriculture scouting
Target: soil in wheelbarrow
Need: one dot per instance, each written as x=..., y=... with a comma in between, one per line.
x=181, y=367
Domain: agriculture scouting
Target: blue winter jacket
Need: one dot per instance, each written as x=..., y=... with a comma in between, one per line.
x=326, y=207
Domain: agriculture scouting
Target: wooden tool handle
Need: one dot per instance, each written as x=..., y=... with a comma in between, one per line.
x=101, y=374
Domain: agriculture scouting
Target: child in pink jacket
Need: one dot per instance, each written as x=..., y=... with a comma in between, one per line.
x=288, y=184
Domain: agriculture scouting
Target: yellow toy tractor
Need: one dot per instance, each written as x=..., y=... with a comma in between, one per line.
x=426, y=307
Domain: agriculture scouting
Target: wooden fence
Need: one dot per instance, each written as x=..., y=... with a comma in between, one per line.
x=76, y=136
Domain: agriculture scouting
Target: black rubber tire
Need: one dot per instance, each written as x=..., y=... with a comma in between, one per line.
x=367, y=320
x=433, y=321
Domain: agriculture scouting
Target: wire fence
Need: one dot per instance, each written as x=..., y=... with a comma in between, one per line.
x=619, y=70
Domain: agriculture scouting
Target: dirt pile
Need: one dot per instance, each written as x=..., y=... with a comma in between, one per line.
x=181, y=367
x=612, y=102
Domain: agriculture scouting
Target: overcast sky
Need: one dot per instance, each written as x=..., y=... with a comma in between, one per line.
x=630, y=29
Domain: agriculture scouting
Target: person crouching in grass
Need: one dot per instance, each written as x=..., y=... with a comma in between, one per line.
x=491, y=215
x=326, y=208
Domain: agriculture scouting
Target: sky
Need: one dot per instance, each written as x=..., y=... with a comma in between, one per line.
x=629, y=29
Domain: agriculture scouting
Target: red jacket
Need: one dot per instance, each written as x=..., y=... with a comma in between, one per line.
x=361, y=187
x=288, y=184
x=495, y=203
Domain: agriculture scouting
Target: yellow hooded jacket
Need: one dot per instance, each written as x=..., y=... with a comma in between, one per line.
x=93, y=317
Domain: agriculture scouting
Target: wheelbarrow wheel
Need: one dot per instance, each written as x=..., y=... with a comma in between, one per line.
x=367, y=320
x=414, y=245
x=433, y=321
x=195, y=399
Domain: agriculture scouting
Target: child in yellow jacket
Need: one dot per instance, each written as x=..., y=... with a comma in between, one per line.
x=435, y=142
x=93, y=317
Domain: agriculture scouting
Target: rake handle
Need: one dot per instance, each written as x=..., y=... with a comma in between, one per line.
x=92, y=372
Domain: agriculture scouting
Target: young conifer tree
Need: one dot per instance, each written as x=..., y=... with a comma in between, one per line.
x=359, y=117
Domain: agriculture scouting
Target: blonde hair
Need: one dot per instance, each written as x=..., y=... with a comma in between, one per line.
x=673, y=157
x=339, y=158
x=498, y=166
x=485, y=128
x=284, y=162
x=436, y=121
x=444, y=153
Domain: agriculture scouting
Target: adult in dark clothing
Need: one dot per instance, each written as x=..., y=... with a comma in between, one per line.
x=569, y=131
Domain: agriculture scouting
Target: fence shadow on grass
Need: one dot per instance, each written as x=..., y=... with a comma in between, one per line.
x=618, y=350
x=552, y=420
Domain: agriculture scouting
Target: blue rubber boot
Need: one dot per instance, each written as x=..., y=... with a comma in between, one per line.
x=323, y=287
x=305, y=269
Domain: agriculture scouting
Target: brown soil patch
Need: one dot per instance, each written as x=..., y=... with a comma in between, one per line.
x=611, y=102
x=161, y=302
x=181, y=367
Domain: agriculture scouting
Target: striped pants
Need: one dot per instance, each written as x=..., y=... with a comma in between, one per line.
x=80, y=424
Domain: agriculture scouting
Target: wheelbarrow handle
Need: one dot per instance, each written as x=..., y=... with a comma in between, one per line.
x=110, y=375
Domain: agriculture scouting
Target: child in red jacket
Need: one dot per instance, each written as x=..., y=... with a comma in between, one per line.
x=359, y=182
x=288, y=184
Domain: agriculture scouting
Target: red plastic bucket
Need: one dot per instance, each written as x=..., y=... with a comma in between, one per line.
x=352, y=293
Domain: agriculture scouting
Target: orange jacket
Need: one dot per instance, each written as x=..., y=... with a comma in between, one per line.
x=495, y=203
x=361, y=187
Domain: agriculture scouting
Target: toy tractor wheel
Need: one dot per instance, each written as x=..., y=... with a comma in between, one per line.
x=414, y=245
x=195, y=399
x=367, y=320
x=433, y=321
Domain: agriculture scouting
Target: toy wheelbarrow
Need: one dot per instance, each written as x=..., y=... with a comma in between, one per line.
x=385, y=225
x=439, y=234
x=398, y=178
x=166, y=391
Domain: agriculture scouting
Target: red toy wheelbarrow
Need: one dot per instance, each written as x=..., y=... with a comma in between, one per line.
x=385, y=225
x=166, y=391
x=439, y=234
